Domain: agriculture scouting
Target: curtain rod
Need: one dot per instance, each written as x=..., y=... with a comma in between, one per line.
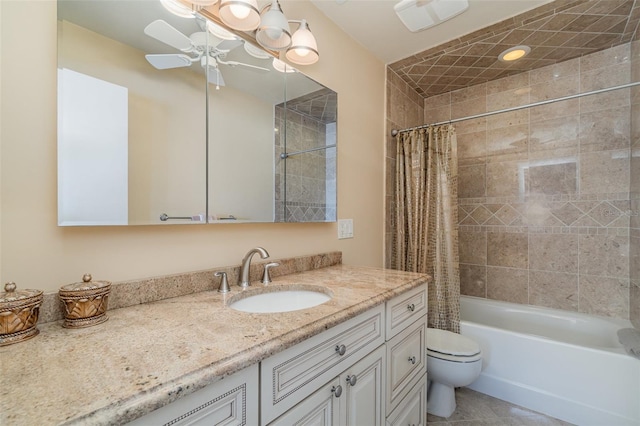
x=394, y=132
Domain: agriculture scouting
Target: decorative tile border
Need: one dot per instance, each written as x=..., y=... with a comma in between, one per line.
x=136, y=292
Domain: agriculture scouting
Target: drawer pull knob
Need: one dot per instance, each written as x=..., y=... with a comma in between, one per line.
x=412, y=359
x=337, y=391
x=352, y=380
x=411, y=307
x=341, y=349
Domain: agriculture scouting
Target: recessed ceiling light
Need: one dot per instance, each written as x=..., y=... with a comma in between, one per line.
x=514, y=53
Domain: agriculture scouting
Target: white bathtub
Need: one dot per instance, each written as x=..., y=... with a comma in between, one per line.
x=566, y=365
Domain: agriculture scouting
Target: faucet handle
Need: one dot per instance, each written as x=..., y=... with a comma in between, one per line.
x=266, y=279
x=224, y=284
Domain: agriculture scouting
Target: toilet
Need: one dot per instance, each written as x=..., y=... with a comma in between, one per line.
x=453, y=361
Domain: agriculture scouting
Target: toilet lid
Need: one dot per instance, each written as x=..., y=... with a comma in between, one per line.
x=449, y=343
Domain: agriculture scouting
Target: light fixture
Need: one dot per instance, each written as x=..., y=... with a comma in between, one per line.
x=256, y=52
x=177, y=8
x=304, y=48
x=203, y=3
x=241, y=15
x=273, y=32
x=219, y=32
x=278, y=65
x=514, y=53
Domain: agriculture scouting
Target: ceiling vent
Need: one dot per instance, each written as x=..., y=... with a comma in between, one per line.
x=418, y=15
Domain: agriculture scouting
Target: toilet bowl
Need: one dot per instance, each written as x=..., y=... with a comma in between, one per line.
x=453, y=361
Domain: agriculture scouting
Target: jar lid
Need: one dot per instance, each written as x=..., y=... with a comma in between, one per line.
x=85, y=284
x=10, y=294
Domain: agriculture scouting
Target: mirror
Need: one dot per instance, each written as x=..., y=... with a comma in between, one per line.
x=217, y=138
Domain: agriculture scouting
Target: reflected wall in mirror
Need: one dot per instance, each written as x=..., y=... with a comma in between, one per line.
x=133, y=141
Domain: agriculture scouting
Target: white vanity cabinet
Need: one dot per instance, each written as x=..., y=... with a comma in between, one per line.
x=369, y=370
x=354, y=398
x=289, y=377
x=231, y=401
x=406, y=354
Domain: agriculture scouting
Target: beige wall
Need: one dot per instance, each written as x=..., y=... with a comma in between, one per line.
x=38, y=254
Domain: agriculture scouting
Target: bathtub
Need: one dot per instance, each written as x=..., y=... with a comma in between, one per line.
x=563, y=364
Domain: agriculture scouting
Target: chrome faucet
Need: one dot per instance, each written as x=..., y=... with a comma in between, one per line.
x=246, y=265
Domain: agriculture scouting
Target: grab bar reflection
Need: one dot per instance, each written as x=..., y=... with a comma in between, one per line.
x=286, y=155
x=197, y=218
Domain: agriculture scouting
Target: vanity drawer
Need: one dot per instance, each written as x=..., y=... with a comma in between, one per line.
x=231, y=401
x=405, y=309
x=406, y=362
x=290, y=376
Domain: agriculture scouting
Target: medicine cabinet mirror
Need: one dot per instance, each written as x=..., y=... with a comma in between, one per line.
x=180, y=137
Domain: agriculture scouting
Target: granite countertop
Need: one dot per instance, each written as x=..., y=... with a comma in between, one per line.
x=148, y=355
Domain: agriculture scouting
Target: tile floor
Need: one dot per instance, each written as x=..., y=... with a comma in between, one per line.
x=477, y=409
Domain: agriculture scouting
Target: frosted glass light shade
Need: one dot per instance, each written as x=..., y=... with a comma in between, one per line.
x=203, y=3
x=274, y=32
x=304, y=48
x=241, y=15
x=177, y=8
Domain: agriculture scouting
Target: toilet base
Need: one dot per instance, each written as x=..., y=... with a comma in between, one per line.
x=441, y=399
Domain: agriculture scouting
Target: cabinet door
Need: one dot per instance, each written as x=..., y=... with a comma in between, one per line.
x=364, y=385
x=321, y=408
x=412, y=411
x=406, y=357
x=231, y=401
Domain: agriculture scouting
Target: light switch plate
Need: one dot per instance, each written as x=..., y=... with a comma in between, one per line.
x=345, y=228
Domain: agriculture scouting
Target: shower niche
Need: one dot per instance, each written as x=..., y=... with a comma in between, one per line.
x=149, y=134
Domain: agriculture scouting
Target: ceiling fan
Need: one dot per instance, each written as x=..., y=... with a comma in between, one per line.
x=194, y=49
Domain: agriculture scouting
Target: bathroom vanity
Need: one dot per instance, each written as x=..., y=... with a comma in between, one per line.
x=357, y=359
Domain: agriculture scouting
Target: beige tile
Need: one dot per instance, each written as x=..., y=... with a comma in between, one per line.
x=471, y=181
x=634, y=303
x=513, y=82
x=507, y=284
x=507, y=119
x=438, y=101
x=554, y=134
x=555, y=88
x=468, y=93
x=505, y=179
x=605, y=58
x=553, y=290
x=605, y=130
x=473, y=280
x=559, y=71
x=468, y=108
x=508, y=99
x=607, y=100
x=507, y=249
x=567, y=108
x=553, y=179
x=471, y=126
x=553, y=252
x=604, y=172
x=604, y=296
x=436, y=115
x=508, y=143
x=604, y=255
x=472, y=148
x=601, y=78
x=472, y=247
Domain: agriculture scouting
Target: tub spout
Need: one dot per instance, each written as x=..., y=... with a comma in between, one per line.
x=246, y=265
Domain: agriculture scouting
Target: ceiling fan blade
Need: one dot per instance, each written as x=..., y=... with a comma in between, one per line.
x=242, y=64
x=227, y=45
x=170, y=60
x=162, y=31
x=214, y=76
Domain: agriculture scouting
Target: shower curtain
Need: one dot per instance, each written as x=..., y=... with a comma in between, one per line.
x=426, y=216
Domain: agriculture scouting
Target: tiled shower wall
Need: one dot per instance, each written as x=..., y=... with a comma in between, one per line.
x=305, y=180
x=543, y=192
x=634, y=239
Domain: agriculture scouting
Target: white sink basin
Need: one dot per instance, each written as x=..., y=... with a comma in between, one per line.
x=279, y=299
